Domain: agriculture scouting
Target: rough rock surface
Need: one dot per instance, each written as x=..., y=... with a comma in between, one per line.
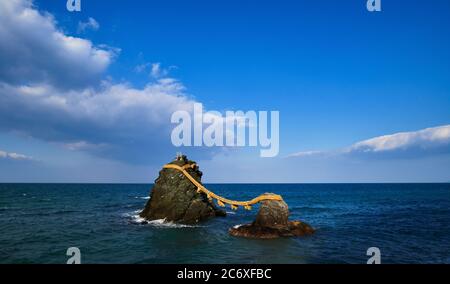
x=272, y=222
x=175, y=199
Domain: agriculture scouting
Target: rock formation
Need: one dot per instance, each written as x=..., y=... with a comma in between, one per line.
x=175, y=199
x=272, y=222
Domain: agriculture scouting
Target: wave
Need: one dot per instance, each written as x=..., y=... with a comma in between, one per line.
x=143, y=197
x=161, y=223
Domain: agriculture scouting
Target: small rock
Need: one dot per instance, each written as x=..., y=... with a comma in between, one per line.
x=272, y=213
x=272, y=222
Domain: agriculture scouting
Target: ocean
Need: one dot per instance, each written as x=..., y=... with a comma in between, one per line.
x=409, y=223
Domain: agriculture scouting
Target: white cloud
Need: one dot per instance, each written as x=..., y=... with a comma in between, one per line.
x=115, y=118
x=83, y=146
x=51, y=88
x=61, y=97
x=34, y=50
x=156, y=70
x=426, y=139
x=405, y=144
x=90, y=24
x=14, y=156
x=115, y=121
x=305, y=154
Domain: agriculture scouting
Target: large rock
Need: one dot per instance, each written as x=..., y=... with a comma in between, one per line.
x=272, y=222
x=175, y=199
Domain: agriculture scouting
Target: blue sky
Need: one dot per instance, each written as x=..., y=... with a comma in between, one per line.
x=89, y=110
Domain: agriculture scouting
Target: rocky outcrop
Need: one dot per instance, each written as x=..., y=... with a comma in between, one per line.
x=272, y=222
x=175, y=199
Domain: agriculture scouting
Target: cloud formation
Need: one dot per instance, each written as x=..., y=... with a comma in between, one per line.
x=90, y=24
x=155, y=70
x=34, y=50
x=116, y=121
x=14, y=156
x=52, y=88
x=424, y=142
x=430, y=140
x=306, y=154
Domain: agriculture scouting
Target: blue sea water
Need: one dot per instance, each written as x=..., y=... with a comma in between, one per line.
x=409, y=223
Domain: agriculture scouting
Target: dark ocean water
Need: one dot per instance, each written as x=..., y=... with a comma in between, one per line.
x=410, y=223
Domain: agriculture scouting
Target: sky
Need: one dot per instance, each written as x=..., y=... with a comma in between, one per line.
x=87, y=97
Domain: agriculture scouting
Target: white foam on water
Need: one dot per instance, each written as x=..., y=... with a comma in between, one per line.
x=143, y=197
x=132, y=215
x=162, y=223
x=237, y=226
x=137, y=219
x=231, y=212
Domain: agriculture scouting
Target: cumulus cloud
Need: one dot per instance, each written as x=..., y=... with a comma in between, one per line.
x=34, y=50
x=424, y=142
x=116, y=121
x=90, y=24
x=51, y=88
x=14, y=156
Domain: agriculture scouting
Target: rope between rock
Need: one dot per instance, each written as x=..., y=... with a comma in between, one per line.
x=221, y=201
